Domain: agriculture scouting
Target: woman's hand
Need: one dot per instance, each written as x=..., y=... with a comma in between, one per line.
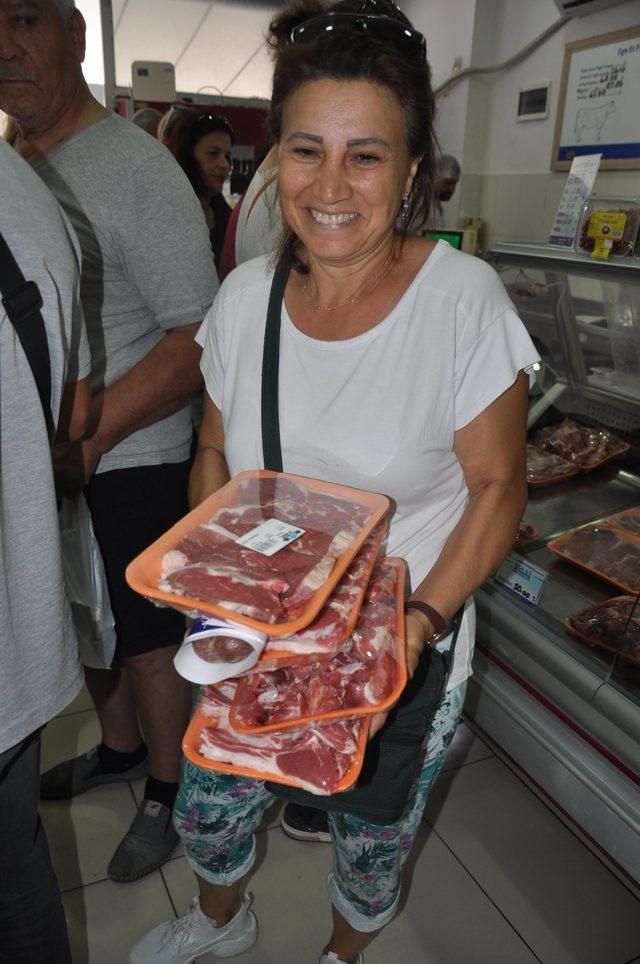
x=418, y=633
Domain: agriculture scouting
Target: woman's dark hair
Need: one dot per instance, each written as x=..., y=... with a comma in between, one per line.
x=192, y=128
x=346, y=54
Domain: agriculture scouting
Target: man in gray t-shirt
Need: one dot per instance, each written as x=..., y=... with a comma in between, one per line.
x=40, y=672
x=147, y=280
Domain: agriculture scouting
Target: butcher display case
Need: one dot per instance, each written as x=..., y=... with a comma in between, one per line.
x=566, y=707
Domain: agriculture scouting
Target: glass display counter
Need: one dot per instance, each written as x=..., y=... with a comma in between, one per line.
x=568, y=710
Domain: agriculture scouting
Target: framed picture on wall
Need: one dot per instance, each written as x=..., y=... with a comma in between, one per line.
x=599, y=102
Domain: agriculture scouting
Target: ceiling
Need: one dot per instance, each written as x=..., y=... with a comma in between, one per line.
x=211, y=44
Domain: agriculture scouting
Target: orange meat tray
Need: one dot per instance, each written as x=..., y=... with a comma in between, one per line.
x=343, y=713
x=617, y=521
x=558, y=546
x=191, y=749
x=145, y=571
x=595, y=640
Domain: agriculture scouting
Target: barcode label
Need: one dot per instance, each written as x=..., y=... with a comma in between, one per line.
x=270, y=536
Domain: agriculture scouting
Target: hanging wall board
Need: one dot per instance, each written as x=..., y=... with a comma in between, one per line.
x=599, y=106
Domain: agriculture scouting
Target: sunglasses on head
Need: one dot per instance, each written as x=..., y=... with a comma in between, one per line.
x=381, y=20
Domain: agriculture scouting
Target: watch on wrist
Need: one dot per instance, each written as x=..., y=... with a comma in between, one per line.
x=438, y=622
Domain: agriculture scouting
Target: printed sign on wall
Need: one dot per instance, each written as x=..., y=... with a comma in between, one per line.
x=599, y=106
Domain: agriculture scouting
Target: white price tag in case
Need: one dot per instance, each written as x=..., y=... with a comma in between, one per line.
x=522, y=578
x=270, y=536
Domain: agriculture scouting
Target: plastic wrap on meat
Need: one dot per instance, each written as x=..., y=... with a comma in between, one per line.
x=330, y=628
x=630, y=523
x=611, y=625
x=315, y=758
x=210, y=566
x=543, y=468
x=364, y=674
x=579, y=444
x=607, y=552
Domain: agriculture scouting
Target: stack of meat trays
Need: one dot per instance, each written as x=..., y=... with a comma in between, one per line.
x=558, y=452
x=307, y=725
x=297, y=560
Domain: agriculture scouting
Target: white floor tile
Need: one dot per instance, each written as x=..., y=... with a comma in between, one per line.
x=563, y=902
x=84, y=832
x=294, y=913
x=68, y=736
x=107, y=919
x=465, y=748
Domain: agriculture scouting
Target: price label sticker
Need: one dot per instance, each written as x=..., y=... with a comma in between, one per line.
x=524, y=579
x=269, y=537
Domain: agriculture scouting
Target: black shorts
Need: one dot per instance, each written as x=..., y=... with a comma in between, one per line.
x=130, y=508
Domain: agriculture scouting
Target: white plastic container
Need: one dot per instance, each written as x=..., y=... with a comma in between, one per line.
x=206, y=671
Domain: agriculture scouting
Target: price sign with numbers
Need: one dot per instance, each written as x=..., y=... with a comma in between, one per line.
x=522, y=578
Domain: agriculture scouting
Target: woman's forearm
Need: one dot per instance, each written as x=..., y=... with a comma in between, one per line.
x=209, y=473
x=476, y=547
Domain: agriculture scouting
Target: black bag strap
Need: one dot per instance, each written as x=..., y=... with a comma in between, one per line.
x=22, y=302
x=271, y=447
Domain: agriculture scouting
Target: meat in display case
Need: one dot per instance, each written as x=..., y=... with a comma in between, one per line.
x=557, y=671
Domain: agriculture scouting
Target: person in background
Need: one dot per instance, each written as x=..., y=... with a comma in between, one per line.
x=447, y=177
x=403, y=369
x=40, y=672
x=203, y=150
x=147, y=119
x=148, y=278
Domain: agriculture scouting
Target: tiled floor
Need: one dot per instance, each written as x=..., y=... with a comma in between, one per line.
x=495, y=877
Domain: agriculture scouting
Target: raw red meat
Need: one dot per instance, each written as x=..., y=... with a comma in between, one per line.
x=577, y=443
x=607, y=552
x=222, y=649
x=315, y=758
x=364, y=674
x=543, y=468
x=610, y=624
x=209, y=565
x=330, y=628
x=630, y=523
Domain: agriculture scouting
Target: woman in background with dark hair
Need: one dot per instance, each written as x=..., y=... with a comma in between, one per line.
x=402, y=370
x=202, y=147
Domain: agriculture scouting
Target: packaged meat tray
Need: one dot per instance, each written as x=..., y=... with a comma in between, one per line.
x=266, y=551
x=613, y=625
x=608, y=222
x=320, y=758
x=367, y=677
x=584, y=446
x=607, y=553
x=545, y=468
x=335, y=621
x=628, y=521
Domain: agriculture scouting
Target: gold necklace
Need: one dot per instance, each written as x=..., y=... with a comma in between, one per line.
x=354, y=297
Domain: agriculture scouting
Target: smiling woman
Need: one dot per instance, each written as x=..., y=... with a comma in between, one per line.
x=402, y=370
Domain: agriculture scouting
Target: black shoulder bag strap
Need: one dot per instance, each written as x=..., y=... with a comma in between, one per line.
x=23, y=303
x=271, y=448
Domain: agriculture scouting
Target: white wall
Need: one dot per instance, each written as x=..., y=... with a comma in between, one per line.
x=506, y=164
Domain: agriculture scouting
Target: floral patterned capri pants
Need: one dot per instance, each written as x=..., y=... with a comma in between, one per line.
x=217, y=815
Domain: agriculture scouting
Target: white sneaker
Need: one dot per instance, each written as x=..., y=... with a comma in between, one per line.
x=332, y=958
x=182, y=940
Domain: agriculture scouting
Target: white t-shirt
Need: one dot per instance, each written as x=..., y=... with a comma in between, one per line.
x=377, y=411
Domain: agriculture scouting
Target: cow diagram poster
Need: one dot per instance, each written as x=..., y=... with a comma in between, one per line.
x=599, y=105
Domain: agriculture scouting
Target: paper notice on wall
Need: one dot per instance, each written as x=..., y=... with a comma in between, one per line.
x=579, y=186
